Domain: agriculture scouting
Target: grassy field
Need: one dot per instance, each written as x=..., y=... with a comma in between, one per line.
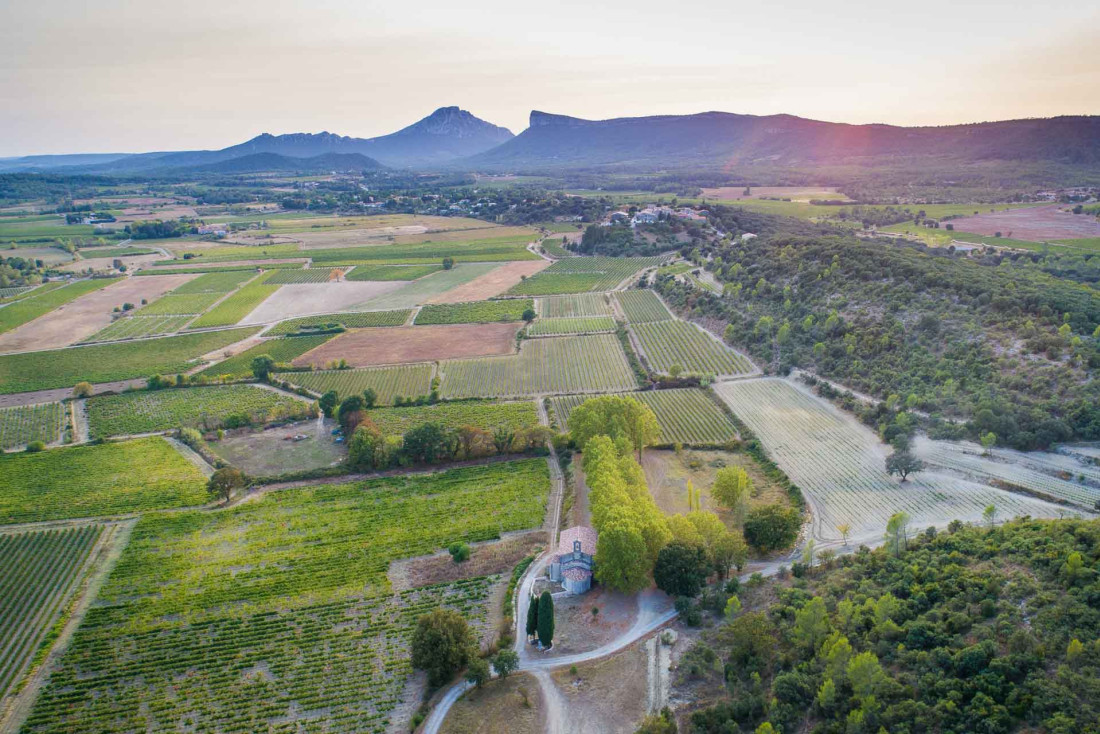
x=97, y=480
x=407, y=381
x=23, y=424
x=216, y=282
x=642, y=306
x=283, y=351
x=560, y=365
x=391, y=272
x=686, y=416
x=475, y=312
x=552, y=246
x=238, y=305
x=18, y=293
x=205, y=612
x=149, y=411
x=587, y=304
x=176, y=304
x=574, y=325
x=670, y=343
x=41, y=302
x=583, y=274
x=356, y=320
x=40, y=571
x=110, y=362
x=484, y=415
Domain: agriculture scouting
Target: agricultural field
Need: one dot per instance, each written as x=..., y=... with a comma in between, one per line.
x=23, y=424
x=406, y=344
x=11, y=293
x=642, y=306
x=353, y=320
x=18, y=293
x=391, y=272
x=276, y=450
x=278, y=612
x=140, y=325
x=425, y=289
x=575, y=325
x=219, y=282
x=583, y=274
x=484, y=415
x=552, y=246
x=310, y=275
x=562, y=365
x=173, y=304
x=97, y=480
x=1035, y=223
x=587, y=304
x=207, y=408
x=839, y=465
x=110, y=362
x=475, y=312
x=670, y=343
x=40, y=571
x=299, y=300
x=686, y=416
x=41, y=302
x=283, y=351
x=407, y=381
x=492, y=284
x=237, y=306
x=497, y=249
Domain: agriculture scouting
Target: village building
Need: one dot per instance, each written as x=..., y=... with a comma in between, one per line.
x=574, y=564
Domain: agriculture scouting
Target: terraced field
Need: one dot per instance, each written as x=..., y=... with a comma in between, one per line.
x=484, y=415
x=587, y=304
x=670, y=343
x=474, y=312
x=686, y=416
x=643, y=305
x=575, y=325
x=407, y=381
x=583, y=274
x=39, y=573
x=358, y=320
x=149, y=411
x=839, y=465
x=283, y=351
x=279, y=609
x=110, y=362
x=97, y=480
x=23, y=424
x=559, y=365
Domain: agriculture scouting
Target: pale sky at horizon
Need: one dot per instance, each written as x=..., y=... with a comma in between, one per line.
x=135, y=76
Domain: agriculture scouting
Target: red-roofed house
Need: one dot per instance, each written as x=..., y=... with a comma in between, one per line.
x=574, y=564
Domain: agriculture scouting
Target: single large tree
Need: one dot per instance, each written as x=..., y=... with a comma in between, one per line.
x=532, y=616
x=442, y=644
x=351, y=413
x=224, y=482
x=903, y=463
x=732, y=488
x=772, y=527
x=328, y=403
x=681, y=569
x=262, y=366
x=546, y=619
x=367, y=448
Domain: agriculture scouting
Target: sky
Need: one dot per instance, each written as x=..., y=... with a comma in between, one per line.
x=142, y=75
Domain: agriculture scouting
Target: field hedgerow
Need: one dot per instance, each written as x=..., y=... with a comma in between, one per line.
x=486, y=416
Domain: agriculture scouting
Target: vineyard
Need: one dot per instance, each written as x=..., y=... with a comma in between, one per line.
x=575, y=325
x=222, y=282
x=39, y=572
x=278, y=613
x=643, y=305
x=179, y=304
x=109, y=362
x=149, y=411
x=499, y=249
x=283, y=351
x=487, y=416
x=587, y=304
x=25, y=423
x=562, y=365
x=475, y=312
x=42, y=300
x=552, y=246
x=97, y=480
x=407, y=381
x=360, y=320
x=686, y=416
x=238, y=305
x=139, y=325
x=839, y=464
x=391, y=272
x=582, y=274
x=312, y=275
x=669, y=343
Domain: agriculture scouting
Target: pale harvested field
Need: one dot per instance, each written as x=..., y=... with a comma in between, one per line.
x=76, y=321
x=794, y=193
x=366, y=347
x=492, y=283
x=141, y=213
x=307, y=299
x=253, y=238
x=117, y=201
x=215, y=266
x=1036, y=223
x=107, y=263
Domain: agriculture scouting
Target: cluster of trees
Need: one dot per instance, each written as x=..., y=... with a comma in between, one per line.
x=443, y=644
x=1009, y=349
x=980, y=630
x=158, y=229
x=540, y=619
x=17, y=271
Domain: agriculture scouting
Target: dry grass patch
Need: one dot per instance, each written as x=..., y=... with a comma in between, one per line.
x=400, y=345
x=486, y=559
x=493, y=283
x=511, y=706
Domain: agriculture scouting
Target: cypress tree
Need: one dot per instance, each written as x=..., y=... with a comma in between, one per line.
x=546, y=619
x=532, y=616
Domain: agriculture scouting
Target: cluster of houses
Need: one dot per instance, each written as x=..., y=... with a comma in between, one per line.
x=654, y=214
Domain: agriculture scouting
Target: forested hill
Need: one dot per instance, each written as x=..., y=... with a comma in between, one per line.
x=995, y=340
x=721, y=139
x=973, y=630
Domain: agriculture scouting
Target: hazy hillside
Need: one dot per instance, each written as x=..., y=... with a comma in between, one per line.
x=274, y=162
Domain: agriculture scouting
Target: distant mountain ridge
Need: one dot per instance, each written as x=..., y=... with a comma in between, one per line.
x=258, y=162
x=722, y=138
